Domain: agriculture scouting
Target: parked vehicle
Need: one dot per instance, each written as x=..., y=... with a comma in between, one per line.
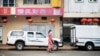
x=85, y=36
x=30, y=38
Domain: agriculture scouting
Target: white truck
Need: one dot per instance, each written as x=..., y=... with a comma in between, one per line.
x=30, y=38
x=85, y=36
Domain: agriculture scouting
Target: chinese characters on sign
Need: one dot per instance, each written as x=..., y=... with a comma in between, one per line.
x=39, y=11
x=4, y=11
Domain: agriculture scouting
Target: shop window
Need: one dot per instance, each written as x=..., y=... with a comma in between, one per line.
x=36, y=1
x=79, y=1
x=92, y=1
x=8, y=3
x=44, y=18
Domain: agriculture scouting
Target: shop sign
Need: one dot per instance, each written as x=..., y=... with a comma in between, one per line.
x=39, y=11
x=4, y=11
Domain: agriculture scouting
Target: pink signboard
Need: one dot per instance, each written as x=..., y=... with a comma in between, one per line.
x=39, y=11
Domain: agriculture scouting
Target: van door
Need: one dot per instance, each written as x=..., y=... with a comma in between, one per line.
x=30, y=38
x=73, y=35
x=41, y=40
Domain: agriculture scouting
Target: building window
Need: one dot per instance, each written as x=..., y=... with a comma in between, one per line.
x=28, y=1
x=8, y=3
x=0, y=2
x=92, y=1
x=36, y=1
x=44, y=18
x=79, y=1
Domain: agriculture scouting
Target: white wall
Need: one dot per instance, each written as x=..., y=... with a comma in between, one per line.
x=70, y=6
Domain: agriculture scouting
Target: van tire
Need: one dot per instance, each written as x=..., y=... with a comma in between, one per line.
x=55, y=46
x=19, y=45
x=89, y=46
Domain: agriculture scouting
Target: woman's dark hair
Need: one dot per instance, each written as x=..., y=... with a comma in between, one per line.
x=49, y=31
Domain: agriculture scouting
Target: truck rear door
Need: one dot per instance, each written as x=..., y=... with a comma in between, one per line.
x=73, y=35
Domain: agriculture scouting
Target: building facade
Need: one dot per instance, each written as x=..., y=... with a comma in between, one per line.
x=81, y=8
x=76, y=10
x=31, y=15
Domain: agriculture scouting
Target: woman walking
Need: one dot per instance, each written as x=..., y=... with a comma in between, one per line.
x=50, y=42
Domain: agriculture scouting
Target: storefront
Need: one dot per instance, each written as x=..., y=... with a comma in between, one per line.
x=3, y=20
x=33, y=19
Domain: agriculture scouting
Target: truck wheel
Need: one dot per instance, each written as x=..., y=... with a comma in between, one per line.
x=89, y=46
x=55, y=46
x=19, y=45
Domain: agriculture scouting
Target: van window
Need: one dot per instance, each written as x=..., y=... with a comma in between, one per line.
x=30, y=34
x=17, y=33
x=40, y=35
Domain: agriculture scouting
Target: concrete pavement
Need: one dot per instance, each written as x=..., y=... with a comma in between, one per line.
x=45, y=53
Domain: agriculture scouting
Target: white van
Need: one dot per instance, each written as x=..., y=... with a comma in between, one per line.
x=87, y=36
x=29, y=38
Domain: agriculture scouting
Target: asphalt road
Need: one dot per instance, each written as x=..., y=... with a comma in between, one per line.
x=34, y=52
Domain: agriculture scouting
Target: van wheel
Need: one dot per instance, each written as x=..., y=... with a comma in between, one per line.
x=19, y=45
x=89, y=46
x=55, y=46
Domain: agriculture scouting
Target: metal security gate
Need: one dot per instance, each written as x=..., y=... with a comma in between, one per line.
x=67, y=32
x=44, y=28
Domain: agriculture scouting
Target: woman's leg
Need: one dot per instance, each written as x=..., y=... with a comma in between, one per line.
x=49, y=48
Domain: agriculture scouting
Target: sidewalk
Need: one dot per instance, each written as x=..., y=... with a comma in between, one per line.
x=6, y=47
x=67, y=47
